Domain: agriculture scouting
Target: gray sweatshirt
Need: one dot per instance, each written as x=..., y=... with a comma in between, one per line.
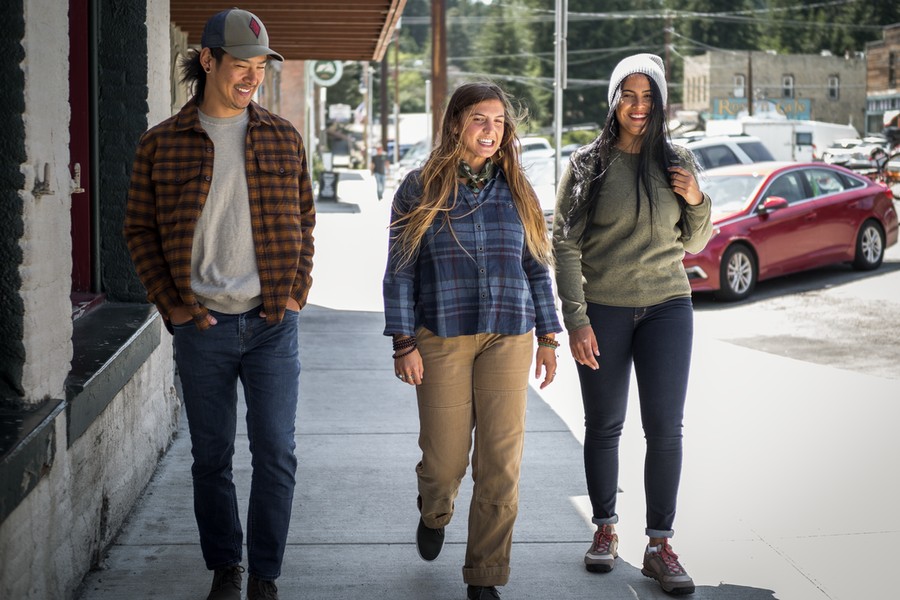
x=621, y=264
x=224, y=273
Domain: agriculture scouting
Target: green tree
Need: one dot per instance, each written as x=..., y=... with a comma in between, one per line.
x=507, y=58
x=832, y=27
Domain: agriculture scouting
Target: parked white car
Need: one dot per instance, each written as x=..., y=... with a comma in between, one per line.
x=536, y=146
x=540, y=172
x=724, y=150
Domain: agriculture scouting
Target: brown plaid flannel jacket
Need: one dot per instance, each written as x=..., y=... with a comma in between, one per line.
x=170, y=180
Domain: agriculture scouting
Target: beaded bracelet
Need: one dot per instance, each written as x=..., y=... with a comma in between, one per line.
x=404, y=343
x=547, y=342
x=398, y=355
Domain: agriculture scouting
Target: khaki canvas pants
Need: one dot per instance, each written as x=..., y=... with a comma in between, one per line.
x=476, y=382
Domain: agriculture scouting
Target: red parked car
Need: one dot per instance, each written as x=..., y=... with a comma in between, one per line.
x=775, y=218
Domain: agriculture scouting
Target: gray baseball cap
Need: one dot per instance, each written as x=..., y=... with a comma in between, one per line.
x=238, y=32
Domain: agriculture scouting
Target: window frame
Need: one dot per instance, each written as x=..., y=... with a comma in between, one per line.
x=742, y=85
x=834, y=87
x=787, y=87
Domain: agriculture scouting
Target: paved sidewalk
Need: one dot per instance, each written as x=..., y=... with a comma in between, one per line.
x=788, y=489
x=354, y=510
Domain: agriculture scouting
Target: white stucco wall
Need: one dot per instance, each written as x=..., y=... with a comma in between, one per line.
x=47, y=244
x=57, y=532
x=158, y=58
x=49, y=542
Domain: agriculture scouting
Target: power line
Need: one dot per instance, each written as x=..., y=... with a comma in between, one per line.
x=728, y=17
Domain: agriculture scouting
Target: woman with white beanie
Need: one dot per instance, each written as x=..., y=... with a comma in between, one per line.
x=628, y=207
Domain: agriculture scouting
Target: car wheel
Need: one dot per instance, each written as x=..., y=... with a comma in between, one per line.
x=738, y=273
x=869, y=247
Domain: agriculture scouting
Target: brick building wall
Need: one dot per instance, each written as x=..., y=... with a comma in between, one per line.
x=883, y=78
x=88, y=406
x=293, y=94
x=12, y=181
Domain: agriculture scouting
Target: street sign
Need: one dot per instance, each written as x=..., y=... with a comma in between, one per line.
x=327, y=72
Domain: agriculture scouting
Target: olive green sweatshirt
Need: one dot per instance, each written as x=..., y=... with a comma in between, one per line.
x=623, y=261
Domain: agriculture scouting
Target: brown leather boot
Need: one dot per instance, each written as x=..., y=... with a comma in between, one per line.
x=226, y=584
x=260, y=589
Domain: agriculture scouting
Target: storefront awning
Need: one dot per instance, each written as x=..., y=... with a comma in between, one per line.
x=305, y=29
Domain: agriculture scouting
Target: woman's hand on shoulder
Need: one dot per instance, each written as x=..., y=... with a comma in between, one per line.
x=583, y=345
x=685, y=184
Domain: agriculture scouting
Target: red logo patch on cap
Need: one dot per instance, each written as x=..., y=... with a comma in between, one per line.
x=254, y=27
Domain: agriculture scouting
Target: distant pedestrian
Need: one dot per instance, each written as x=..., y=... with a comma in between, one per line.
x=628, y=208
x=219, y=224
x=379, y=169
x=466, y=283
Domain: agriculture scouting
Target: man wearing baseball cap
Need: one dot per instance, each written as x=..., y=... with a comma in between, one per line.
x=219, y=224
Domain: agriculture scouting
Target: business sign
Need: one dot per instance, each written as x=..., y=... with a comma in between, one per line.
x=732, y=108
x=327, y=72
x=339, y=113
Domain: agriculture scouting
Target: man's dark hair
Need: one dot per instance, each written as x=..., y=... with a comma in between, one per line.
x=193, y=74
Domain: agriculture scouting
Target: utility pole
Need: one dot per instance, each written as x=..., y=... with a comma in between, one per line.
x=750, y=83
x=397, y=95
x=668, y=43
x=385, y=109
x=364, y=88
x=559, y=84
x=438, y=64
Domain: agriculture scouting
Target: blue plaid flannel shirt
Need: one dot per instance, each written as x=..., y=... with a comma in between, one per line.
x=482, y=281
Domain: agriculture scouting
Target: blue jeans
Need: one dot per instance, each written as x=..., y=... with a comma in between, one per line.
x=657, y=340
x=379, y=184
x=266, y=358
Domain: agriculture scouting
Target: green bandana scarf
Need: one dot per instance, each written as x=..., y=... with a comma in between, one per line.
x=464, y=171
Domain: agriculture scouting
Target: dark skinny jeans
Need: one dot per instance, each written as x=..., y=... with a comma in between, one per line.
x=658, y=341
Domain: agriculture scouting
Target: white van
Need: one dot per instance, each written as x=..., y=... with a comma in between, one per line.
x=786, y=139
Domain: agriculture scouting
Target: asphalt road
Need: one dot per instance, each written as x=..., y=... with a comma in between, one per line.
x=832, y=316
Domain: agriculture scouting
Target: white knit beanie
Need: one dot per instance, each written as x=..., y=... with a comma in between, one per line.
x=647, y=64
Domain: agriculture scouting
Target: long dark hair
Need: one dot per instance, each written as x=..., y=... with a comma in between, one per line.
x=590, y=171
x=193, y=73
x=438, y=178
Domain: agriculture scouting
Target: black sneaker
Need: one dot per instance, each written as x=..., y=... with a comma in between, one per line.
x=226, y=584
x=429, y=541
x=477, y=592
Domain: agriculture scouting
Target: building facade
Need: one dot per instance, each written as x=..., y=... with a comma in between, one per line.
x=882, y=75
x=88, y=399
x=797, y=86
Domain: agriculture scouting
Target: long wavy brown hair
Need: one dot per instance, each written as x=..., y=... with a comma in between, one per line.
x=439, y=183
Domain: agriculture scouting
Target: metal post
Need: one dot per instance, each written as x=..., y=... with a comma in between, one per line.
x=750, y=94
x=370, y=133
x=668, y=44
x=428, y=117
x=383, y=95
x=397, y=94
x=309, y=118
x=438, y=62
x=323, y=139
x=366, y=95
x=562, y=9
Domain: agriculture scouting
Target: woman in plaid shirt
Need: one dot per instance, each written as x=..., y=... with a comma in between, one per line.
x=467, y=282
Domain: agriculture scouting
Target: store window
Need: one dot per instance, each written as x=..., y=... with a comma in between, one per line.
x=833, y=86
x=739, y=86
x=787, y=86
